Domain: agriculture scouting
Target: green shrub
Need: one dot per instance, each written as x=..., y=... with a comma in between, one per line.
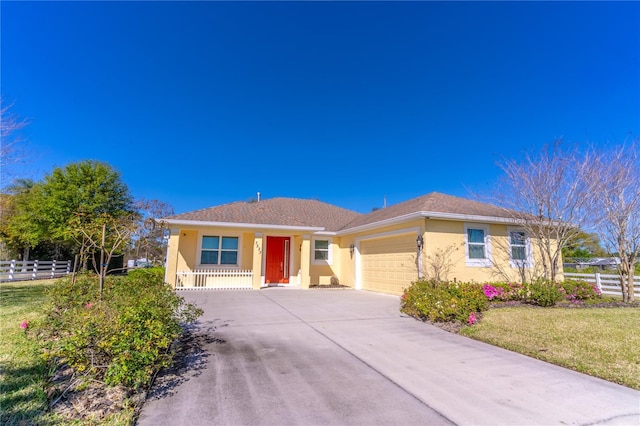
x=441, y=302
x=123, y=338
x=543, y=293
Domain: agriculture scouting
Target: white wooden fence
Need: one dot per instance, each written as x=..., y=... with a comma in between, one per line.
x=18, y=270
x=220, y=279
x=608, y=284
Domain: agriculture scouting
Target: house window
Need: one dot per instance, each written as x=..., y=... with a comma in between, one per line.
x=217, y=250
x=518, y=242
x=475, y=238
x=321, y=251
x=519, y=249
x=478, y=250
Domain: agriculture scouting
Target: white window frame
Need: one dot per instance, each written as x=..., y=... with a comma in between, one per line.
x=478, y=263
x=329, y=260
x=528, y=260
x=218, y=265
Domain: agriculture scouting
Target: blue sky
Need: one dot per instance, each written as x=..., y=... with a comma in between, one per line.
x=203, y=103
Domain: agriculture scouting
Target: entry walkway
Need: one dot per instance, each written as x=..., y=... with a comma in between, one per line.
x=320, y=357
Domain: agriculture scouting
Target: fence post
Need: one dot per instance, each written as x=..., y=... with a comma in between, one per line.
x=598, y=283
x=53, y=268
x=35, y=270
x=12, y=270
x=68, y=267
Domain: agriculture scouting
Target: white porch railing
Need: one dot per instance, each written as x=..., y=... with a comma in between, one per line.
x=608, y=284
x=221, y=279
x=18, y=270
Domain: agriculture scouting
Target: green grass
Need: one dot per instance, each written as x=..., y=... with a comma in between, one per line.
x=601, y=342
x=23, y=371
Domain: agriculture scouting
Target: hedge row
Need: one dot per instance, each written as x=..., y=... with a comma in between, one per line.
x=463, y=302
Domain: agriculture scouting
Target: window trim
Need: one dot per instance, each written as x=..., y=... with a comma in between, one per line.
x=329, y=260
x=478, y=263
x=528, y=251
x=220, y=235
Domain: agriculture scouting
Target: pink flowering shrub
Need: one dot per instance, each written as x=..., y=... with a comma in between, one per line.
x=24, y=325
x=575, y=290
x=504, y=291
x=492, y=292
x=464, y=302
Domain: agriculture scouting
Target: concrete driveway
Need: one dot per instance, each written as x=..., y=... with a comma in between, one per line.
x=320, y=357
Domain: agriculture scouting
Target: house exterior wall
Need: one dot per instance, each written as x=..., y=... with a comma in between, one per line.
x=185, y=248
x=441, y=235
x=321, y=272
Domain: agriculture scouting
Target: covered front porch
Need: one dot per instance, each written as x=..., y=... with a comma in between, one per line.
x=226, y=258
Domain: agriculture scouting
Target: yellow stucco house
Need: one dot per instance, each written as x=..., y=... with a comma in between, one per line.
x=300, y=243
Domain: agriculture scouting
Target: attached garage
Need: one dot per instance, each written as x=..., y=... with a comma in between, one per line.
x=388, y=265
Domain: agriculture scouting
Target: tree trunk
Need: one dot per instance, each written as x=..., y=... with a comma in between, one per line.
x=103, y=268
x=630, y=289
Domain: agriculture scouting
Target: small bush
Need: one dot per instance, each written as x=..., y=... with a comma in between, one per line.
x=543, y=293
x=441, y=302
x=122, y=339
x=575, y=290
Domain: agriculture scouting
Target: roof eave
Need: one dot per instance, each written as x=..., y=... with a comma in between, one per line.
x=182, y=222
x=430, y=215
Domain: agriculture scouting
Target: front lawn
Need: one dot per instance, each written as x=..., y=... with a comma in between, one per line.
x=601, y=342
x=23, y=371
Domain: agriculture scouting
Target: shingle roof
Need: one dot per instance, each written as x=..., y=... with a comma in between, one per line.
x=313, y=213
x=275, y=211
x=433, y=202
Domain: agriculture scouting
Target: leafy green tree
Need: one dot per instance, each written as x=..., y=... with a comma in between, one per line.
x=16, y=227
x=88, y=190
x=67, y=205
x=583, y=245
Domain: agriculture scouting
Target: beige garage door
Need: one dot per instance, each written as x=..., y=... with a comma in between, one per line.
x=388, y=265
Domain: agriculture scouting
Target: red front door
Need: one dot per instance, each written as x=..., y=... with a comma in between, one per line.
x=277, y=260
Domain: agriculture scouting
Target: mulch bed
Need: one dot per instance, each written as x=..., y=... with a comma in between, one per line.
x=82, y=399
x=324, y=286
x=85, y=400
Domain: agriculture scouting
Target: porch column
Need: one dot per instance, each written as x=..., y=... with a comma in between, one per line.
x=173, y=252
x=305, y=261
x=257, y=260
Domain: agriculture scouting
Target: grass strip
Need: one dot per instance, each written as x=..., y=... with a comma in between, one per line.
x=601, y=342
x=23, y=370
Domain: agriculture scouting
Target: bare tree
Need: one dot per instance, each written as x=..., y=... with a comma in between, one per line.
x=545, y=195
x=9, y=152
x=615, y=189
x=149, y=240
x=439, y=263
x=106, y=234
x=503, y=264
